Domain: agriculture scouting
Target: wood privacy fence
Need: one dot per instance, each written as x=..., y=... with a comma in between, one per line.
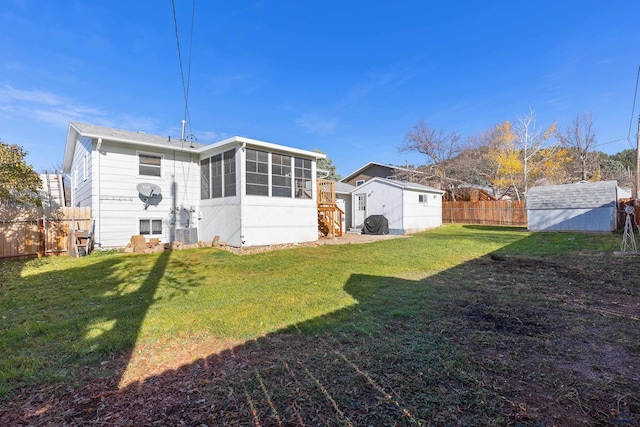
x=26, y=232
x=501, y=212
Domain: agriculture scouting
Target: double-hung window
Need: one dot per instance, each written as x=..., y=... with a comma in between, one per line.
x=150, y=227
x=149, y=164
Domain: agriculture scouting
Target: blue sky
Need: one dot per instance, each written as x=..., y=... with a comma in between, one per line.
x=347, y=77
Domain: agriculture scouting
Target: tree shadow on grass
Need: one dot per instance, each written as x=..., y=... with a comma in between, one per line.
x=510, y=342
x=87, y=328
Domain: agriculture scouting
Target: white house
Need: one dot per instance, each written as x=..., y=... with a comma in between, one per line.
x=245, y=191
x=408, y=207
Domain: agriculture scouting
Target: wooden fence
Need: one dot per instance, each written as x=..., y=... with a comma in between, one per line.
x=501, y=212
x=26, y=232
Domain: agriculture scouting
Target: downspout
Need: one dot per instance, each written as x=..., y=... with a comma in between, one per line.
x=98, y=146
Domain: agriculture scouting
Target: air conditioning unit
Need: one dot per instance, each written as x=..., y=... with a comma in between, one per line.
x=187, y=236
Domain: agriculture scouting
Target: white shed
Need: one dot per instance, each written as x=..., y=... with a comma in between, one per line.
x=584, y=206
x=408, y=207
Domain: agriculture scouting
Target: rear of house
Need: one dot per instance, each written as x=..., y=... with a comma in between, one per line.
x=245, y=191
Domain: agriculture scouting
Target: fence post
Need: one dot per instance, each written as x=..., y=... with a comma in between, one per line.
x=41, y=237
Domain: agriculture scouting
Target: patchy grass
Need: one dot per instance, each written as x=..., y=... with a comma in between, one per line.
x=416, y=331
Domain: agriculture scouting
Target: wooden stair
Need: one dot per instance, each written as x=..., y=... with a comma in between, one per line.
x=329, y=213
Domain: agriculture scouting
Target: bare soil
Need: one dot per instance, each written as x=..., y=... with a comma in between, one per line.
x=502, y=341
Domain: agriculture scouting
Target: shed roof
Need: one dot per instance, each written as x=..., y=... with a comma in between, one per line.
x=343, y=187
x=402, y=184
x=578, y=195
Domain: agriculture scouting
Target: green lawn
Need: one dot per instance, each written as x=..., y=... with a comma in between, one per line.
x=62, y=316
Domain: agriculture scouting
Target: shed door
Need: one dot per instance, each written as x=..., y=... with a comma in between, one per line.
x=360, y=210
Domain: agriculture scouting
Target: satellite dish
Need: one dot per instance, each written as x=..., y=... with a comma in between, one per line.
x=149, y=193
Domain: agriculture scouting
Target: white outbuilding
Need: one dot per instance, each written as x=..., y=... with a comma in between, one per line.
x=408, y=207
x=583, y=206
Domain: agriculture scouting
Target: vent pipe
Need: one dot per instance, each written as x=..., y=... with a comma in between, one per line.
x=184, y=123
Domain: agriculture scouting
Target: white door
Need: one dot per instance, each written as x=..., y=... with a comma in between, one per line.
x=360, y=210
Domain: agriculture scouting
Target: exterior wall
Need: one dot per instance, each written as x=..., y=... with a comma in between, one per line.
x=583, y=219
x=401, y=206
x=81, y=182
x=372, y=171
x=384, y=199
x=345, y=203
x=276, y=220
x=221, y=217
x=117, y=206
x=420, y=216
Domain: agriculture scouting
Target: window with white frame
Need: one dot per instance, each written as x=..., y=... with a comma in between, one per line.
x=359, y=182
x=149, y=164
x=362, y=202
x=423, y=198
x=150, y=227
x=205, y=179
x=257, y=165
x=218, y=175
x=229, y=171
x=304, y=180
x=280, y=175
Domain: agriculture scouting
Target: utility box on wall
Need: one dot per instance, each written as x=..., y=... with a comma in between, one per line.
x=187, y=236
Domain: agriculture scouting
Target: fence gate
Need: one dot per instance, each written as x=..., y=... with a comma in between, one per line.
x=26, y=232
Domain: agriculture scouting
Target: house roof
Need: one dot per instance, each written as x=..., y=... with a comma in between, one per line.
x=368, y=165
x=343, y=187
x=403, y=184
x=578, y=195
x=260, y=144
x=166, y=142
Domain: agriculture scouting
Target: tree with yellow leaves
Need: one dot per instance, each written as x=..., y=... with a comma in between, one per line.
x=531, y=140
x=519, y=155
